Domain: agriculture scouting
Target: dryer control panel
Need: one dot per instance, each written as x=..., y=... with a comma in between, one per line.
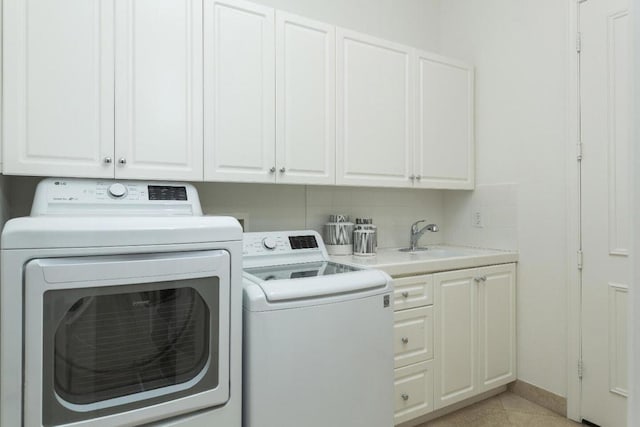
x=55, y=196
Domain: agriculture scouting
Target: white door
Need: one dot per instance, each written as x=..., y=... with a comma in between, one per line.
x=455, y=336
x=444, y=149
x=305, y=100
x=58, y=87
x=374, y=111
x=159, y=89
x=239, y=91
x=496, y=326
x=606, y=208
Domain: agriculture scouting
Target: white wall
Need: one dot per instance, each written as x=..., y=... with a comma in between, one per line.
x=520, y=52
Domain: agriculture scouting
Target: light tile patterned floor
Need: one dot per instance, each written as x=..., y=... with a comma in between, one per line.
x=504, y=410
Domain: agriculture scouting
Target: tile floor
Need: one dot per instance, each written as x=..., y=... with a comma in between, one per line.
x=504, y=410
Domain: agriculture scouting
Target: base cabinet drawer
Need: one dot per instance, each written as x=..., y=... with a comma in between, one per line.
x=413, y=336
x=413, y=391
x=411, y=292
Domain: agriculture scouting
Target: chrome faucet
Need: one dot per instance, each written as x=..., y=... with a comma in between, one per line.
x=417, y=232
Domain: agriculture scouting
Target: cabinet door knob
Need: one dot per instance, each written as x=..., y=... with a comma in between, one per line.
x=273, y=169
x=418, y=177
x=282, y=170
x=405, y=294
x=107, y=160
x=405, y=340
x=122, y=161
x=412, y=177
x=483, y=278
x=404, y=396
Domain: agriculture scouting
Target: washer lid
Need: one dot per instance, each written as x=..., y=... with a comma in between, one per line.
x=313, y=280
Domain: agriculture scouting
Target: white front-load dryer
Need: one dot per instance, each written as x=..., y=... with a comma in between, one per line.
x=121, y=306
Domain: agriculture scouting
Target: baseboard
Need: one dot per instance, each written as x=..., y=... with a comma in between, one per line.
x=537, y=395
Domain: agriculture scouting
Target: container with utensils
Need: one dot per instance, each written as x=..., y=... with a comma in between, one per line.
x=338, y=235
x=365, y=237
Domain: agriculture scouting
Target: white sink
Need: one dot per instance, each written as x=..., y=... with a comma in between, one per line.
x=436, y=252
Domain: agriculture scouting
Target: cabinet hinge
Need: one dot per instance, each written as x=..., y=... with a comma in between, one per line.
x=579, y=151
x=580, y=369
x=578, y=42
x=579, y=260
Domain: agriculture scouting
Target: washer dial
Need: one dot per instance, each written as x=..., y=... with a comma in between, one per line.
x=117, y=190
x=269, y=243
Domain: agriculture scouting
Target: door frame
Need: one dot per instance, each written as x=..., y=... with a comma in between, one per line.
x=573, y=213
x=633, y=414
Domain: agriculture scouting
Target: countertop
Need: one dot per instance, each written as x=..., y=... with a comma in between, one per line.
x=437, y=258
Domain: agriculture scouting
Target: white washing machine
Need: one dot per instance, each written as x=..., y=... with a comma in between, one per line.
x=120, y=306
x=318, y=337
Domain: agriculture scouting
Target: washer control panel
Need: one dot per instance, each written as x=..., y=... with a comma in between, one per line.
x=281, y=243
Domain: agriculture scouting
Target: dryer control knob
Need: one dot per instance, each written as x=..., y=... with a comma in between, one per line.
x=269, y=243
x=117, y=190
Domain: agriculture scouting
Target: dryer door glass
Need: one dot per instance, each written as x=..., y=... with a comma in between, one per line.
x=112, y=345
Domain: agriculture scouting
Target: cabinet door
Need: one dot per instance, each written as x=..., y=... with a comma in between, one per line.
x=58, y=87
x=444, y=125
x=455, y=336
x=159, y=89
x=496, y=326
x=305, y=101
x=239, y=80
x=374, y=111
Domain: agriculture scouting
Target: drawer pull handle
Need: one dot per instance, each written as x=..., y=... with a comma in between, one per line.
x=405, y=294
x=405, y=340
x=405, y=396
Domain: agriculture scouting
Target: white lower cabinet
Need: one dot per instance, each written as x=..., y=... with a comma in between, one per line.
x=455, y=337
x=474, y=317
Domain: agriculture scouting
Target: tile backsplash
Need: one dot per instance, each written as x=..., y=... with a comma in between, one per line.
x=267, y=207
x=498, y=208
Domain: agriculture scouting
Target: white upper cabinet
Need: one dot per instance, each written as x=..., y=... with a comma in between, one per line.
x=374, y=111
x=305, y=100
x=239, y=92
x=58, y=99
x=159, y=89
x=444, y=146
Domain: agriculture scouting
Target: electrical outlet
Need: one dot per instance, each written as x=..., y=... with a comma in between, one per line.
x=476, y=219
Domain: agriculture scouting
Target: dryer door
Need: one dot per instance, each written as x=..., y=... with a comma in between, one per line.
x=136, y=338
